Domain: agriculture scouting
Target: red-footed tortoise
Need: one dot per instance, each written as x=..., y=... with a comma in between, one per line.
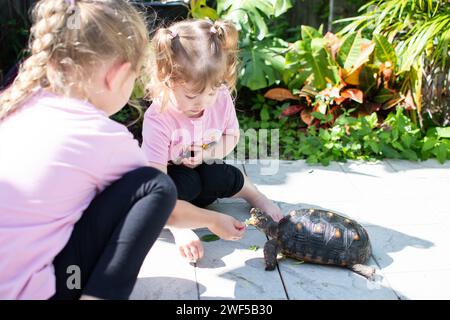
x=315, y=236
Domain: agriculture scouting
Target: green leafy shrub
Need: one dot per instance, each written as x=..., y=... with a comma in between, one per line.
x=350, y=137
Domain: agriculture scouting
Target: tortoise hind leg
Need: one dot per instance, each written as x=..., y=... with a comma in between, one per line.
x=365, y=271
x=271, y=250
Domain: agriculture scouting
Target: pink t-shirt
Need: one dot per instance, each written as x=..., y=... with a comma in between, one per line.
x=56, y=154
x=167, y=134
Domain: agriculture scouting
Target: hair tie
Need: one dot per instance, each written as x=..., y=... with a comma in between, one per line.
x=173, y=34
x=71, y=6
x=213, y=29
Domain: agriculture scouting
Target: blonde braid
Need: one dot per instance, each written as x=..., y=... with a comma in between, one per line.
x=49, y=17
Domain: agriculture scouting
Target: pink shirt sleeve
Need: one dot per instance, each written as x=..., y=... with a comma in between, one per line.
x=156, y=140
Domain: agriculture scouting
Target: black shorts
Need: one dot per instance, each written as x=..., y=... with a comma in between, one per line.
x=205, y=183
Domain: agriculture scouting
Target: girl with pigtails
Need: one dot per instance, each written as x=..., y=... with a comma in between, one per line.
x=191, y=126
x=79, y=206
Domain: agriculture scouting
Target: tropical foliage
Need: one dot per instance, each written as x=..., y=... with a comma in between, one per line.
x=261, y=50
x=334, y=97
x=420, y=32
x=356, y=94
x=330, y=74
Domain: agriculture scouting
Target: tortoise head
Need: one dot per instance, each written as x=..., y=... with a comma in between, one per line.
x=261, y=220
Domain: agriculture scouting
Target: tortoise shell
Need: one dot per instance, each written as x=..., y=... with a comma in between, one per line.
x=323, y=237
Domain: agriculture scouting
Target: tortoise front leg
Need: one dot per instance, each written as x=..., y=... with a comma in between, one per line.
x=271, y=250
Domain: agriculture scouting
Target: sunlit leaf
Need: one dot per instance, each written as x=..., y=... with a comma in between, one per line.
x=200, y=10
x=309, y=33
x=280, y=94
x=409, y=101
x=306, y=116
x=317, y=59
x=349, y=51
x=441, y=152
x=262, y=64
x=392, y=102
x=351, y=76
x=384, y=52
x=443, y=132
x=428, y=144
x=354, y=94
x=333, y=43
x=251, y=16
x=281, y=6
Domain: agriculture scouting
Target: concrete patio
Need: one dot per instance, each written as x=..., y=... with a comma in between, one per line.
x=404, y=205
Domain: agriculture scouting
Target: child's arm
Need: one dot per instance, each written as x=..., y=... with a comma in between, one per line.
x=231, y=133
x=220, y=150
x=186, y=215
x=224, y=147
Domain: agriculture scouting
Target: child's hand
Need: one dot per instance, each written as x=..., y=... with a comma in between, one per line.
x=227, y=227
x=199, y=153
x=196, y=159
x=188, y=243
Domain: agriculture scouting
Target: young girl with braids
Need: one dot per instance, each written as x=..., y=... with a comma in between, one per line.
x=192, y=124
x=79, y=205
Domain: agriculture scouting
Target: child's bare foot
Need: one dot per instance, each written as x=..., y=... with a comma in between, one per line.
x=269, y=207
x=253, y=196
x=188, y=244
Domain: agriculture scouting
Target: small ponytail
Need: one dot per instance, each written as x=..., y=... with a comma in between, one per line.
x=229, y=38
x=198, y=52
x=163, y=53
x=161, y=70
x=228, y=34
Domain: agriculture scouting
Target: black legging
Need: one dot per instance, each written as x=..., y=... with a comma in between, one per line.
x=205, y=183
x=111, y=240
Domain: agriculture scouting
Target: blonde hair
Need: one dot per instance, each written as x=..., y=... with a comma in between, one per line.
x=198, y=52
x=102, y=29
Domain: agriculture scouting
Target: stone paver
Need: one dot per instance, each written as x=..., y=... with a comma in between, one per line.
x=404, y=206
x=231, y=269
x=410, y=248
x=307, y=281
x=298, y=182
x=426, y=169
x=421, y=285
x=165, y=275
